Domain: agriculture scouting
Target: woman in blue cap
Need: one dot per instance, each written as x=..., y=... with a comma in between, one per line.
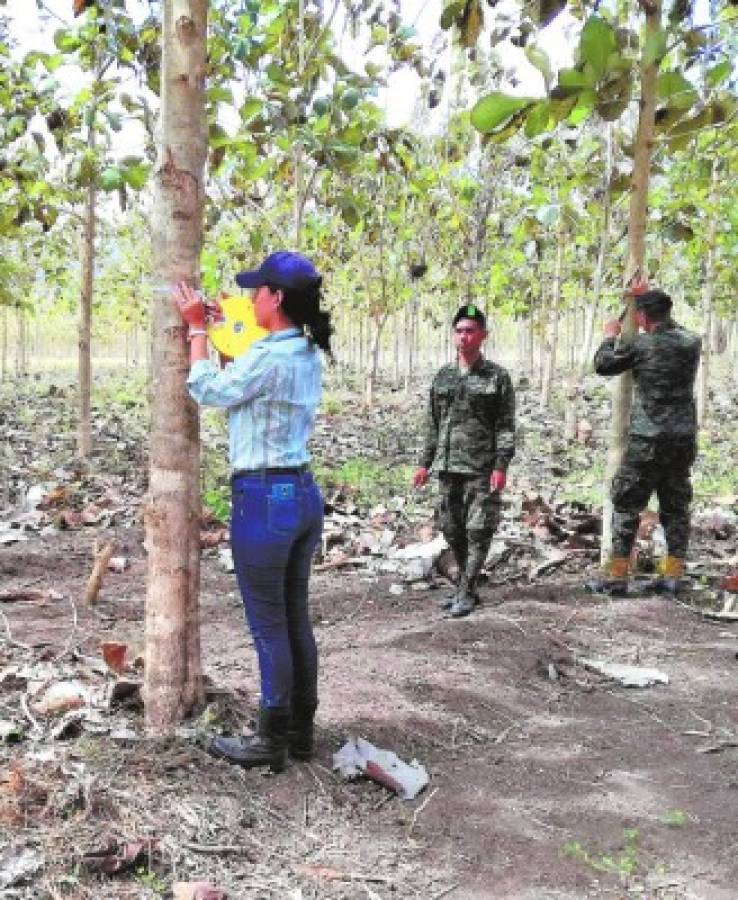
x=271, y=393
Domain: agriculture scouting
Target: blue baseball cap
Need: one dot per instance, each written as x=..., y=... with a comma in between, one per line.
x=282, y=269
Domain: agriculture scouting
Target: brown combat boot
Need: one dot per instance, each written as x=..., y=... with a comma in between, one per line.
x=670, y=581
x=612, y=580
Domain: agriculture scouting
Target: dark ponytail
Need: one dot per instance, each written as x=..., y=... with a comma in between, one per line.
x=302, y=306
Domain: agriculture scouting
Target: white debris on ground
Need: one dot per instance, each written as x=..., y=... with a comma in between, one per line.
x=358, y=757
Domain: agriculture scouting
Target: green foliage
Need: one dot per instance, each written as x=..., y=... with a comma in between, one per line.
x=496, y=109
x=217, y=498
x=624, y=862
x=369, y=481
x=674, y=818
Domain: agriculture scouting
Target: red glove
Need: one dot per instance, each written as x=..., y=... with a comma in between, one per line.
x=497, y=480
x=190, y=305
x=420, y=477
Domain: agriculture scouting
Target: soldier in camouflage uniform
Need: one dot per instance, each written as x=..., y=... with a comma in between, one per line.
x=469, y=443
x=662, y=443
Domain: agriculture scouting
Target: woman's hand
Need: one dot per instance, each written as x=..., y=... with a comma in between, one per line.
x=190, y=304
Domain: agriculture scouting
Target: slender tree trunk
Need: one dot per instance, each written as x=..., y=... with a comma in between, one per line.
x=297, y=159
x=4, y=343
x=708, y=292
x=592, y=309
x=84, y=432
x=552, y=344
x=21, y=356
x=623, y=387
x=173, y=676
x=411, y=337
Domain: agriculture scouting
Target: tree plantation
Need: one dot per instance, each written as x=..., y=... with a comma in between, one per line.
x=535, y=171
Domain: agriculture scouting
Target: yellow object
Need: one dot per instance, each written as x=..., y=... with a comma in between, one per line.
x=672, y=567
x=618, y=567
x=237, y=332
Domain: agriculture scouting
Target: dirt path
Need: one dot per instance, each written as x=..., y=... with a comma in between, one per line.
x=547, y=781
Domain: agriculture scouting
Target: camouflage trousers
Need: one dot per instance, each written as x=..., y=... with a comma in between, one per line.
x=468, y=516
x=653, y=464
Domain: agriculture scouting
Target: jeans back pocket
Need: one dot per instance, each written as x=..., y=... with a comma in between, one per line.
x=283, y=510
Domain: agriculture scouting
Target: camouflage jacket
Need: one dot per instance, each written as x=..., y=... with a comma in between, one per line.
x=471, y=420
x=664, y=365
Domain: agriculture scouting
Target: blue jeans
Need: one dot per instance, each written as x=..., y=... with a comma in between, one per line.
x=276, y=524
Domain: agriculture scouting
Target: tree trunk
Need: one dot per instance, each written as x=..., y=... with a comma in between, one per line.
x=592, y=308
x=553, y=337
x=643, y=147
x=4, y=343
x=21, y=351
x=411, y=337
x=84, y=426
x=173, y=685
x=708, y=291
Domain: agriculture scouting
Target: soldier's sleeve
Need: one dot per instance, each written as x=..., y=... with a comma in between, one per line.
x=612, y=360
x=505, y=425
x=431, y=432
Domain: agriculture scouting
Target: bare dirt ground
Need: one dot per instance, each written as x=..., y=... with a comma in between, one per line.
x=547, y=780
x=539, y=788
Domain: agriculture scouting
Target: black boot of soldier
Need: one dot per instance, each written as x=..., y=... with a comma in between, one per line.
x=449, y=598
x=460, y=552
x=301, y=731
x=268, y=747
x=466, y=598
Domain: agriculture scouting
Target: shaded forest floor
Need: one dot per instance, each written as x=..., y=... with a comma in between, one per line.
x=547, y=780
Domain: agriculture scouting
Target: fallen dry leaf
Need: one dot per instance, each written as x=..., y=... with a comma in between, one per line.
x=113, y=859
x=68, y=518
x=730, y=583
x=114, y=655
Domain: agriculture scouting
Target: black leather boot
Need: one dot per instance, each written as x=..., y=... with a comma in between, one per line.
x=268, y=747
x=301, y=732
x=466, y=598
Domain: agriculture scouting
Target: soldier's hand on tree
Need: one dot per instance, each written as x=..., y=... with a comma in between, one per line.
x=612, y=328
x=190, y=304
x=637, y=285
x=420, y=477
x=497, y=480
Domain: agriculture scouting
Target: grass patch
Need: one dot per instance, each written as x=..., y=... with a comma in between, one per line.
x=623, y=862
x=370, y=481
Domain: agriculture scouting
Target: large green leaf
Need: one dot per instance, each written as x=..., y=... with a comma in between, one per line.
x=596, y=43
x=583, y=108
x=571, y=81
x=717, y=74
x=450, y=13
x=676, y=90
x=495, y=109
x=66, y=41
x=251, y=107
x=136, y=175
x=111, y=178
x=539, y=119
x=654, y=48
x=219, y=94
x=539, y=59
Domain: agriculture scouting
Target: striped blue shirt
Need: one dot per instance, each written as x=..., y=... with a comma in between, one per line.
x=271, y=394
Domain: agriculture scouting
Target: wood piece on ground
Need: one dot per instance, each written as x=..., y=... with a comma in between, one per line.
x=99, y=568
x=29, y=595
